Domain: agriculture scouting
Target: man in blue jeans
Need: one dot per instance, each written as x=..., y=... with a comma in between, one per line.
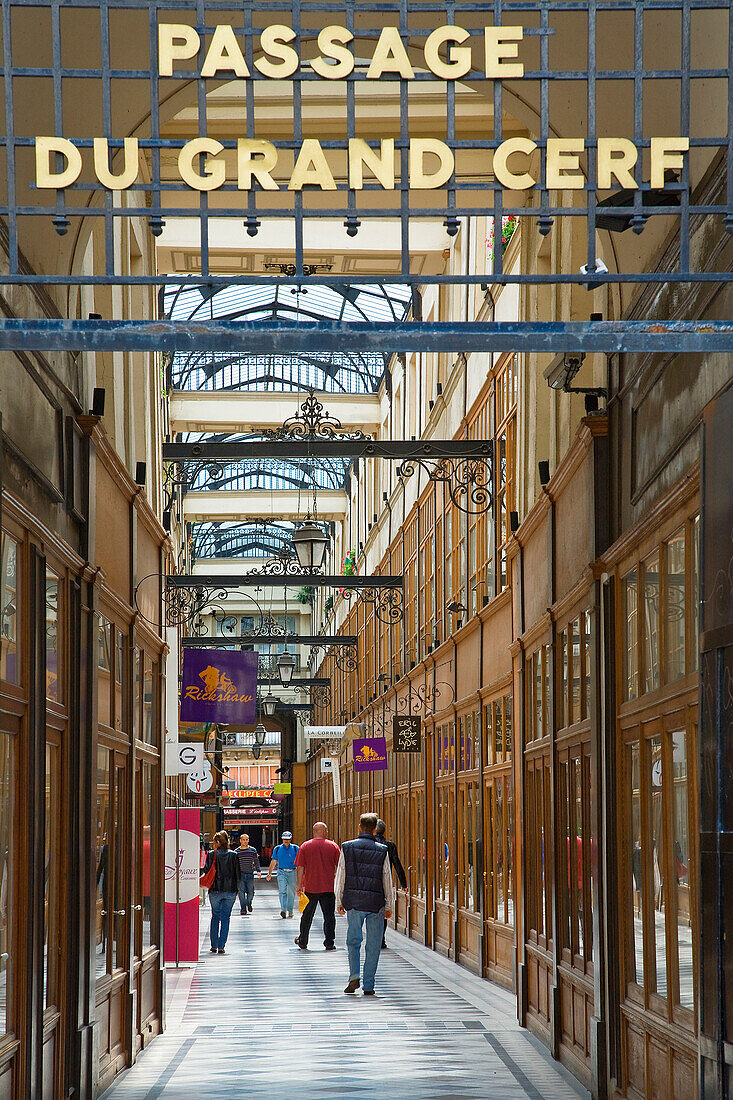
x=249, y=866
x=363, y=889
x=283, y=861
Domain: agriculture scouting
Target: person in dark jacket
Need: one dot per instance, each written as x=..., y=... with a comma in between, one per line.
x=363, y=890
x=394, y=861
x=223, y=892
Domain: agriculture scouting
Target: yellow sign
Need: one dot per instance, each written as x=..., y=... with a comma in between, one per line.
x=282, y=788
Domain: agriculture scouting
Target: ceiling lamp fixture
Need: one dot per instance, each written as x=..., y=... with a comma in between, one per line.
x=269, y=705
x=285, y=668
x=260, y=734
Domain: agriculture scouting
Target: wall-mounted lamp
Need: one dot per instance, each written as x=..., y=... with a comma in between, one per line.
x=544, y=471
x=98, y=396
x=513, y=522
x=141, y=473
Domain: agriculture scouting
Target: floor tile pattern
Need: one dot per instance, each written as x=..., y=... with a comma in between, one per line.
x=267, y=1020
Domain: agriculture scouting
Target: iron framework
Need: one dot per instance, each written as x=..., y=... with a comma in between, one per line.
x=129, y=73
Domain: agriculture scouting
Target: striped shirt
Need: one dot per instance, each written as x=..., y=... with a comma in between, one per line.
x=249, y=861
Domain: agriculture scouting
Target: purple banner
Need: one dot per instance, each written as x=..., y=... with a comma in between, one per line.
x=219, y=685
x=370, y=754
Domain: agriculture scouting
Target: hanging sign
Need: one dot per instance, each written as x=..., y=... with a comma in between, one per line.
x=326, y=764
x=336, y=775
x=282, y=789
x=407, y=733
x=324, y=733
x=219, y=685
x=370, y=754
x=182, y=757
x=182, y=859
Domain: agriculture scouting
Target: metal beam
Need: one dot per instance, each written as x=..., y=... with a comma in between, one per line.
x=274, y=639
x=294, y=580
x=398, y=449
x=252, y=337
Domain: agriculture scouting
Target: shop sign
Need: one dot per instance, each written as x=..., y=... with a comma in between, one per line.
x=370, y=754
x=181, y=758
x=326, y=764
x=407, y=733
x=246, y=792
x=324, y=733
x=182, y=859
x=219, y=685
x=282, y=789
x=246, y=811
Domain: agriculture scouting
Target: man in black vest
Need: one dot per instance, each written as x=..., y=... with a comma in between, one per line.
x=363, y=889
x=395, y=862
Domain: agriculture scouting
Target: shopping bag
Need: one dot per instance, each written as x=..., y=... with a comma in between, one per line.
x=303, y=902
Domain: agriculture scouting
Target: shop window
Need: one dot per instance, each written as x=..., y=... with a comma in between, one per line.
x=636, y=961
x=9, y=609
x=631, y=637
x=417, y=873
x=574, y=871
x=498, y=810
x=539, y=898
x=654, y=779
x=119, y=837
x=538, y=694
x=7, y=844
x=586, y=670
x=674, y=607
x=680, y=879
x=694, y=601
x=651, y=623
x=51, y=900
x=498, y=706
x=149, y=699
x=120, y=665
x=147, y=866
x=563, y=710
x=53, y=595
x=468, y=830
x=137, y=692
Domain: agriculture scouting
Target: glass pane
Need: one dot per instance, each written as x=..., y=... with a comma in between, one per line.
x=489, y=854
x=51, y=864
x=120, y=664
x=499, y=846
x=577, y=856
x=674, y=607
x=575, y=671
x=651, y=623
x=657, y=855
x=631, y=648
x=507, y=727
x=682, y=867
x=695, y=593
x=636, y=963
x=149, y=730
x=6, y=852
x=120, y=893
x=104, y=673
x=148, y=863
x=52, y=640
x=101, y=858
x=138, y=686
x=498, y=732
x=538, y=726
x=586, y=665
x=9, y=608
x=509, y=849
x=565, y=874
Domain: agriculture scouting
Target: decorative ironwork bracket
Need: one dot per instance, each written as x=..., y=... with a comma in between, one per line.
x=468, y=480
x=312, y=423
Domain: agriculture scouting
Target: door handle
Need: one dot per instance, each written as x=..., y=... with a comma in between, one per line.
x=135, y=908
x=120, y=912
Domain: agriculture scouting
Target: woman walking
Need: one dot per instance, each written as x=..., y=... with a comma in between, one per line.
x=222, y=891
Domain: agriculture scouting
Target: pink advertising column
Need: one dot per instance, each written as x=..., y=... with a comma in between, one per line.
x=182, y=847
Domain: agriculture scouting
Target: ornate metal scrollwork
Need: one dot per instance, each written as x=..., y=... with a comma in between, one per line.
x=345, y=657
x=312, y=423
x=320, y=694
x=469, y=480
x=387, y=602
x=184, y=605
x=184, y=475
x=267, y=665
x=284, y=564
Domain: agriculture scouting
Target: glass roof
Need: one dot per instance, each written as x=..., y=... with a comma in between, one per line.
x=337, y=372
x=239, y=540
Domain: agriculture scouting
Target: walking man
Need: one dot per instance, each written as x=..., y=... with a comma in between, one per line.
x=249, y=866
x=364, y=892
x=283, y=861
x=395, y=862
x=316, y=866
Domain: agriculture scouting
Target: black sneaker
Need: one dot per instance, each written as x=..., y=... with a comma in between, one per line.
x=353, y=985
x=369, y=993
x=249, y=908
x=302, y=946
x=282, y=914
x=330, y=947
x=222, y=951
x=212, y=950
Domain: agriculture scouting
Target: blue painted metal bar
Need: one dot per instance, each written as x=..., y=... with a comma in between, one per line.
x=611, y=337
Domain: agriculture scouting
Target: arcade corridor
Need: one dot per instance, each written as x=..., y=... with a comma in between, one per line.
x=269, y=1021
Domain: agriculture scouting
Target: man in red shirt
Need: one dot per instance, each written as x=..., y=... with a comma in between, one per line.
x=315, y=864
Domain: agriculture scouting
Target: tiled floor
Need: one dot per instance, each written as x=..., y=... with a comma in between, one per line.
x=269, y=1021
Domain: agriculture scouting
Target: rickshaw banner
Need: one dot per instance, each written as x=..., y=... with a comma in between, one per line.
x=219, y=685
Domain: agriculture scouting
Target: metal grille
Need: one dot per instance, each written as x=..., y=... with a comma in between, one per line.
x=108, y=49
